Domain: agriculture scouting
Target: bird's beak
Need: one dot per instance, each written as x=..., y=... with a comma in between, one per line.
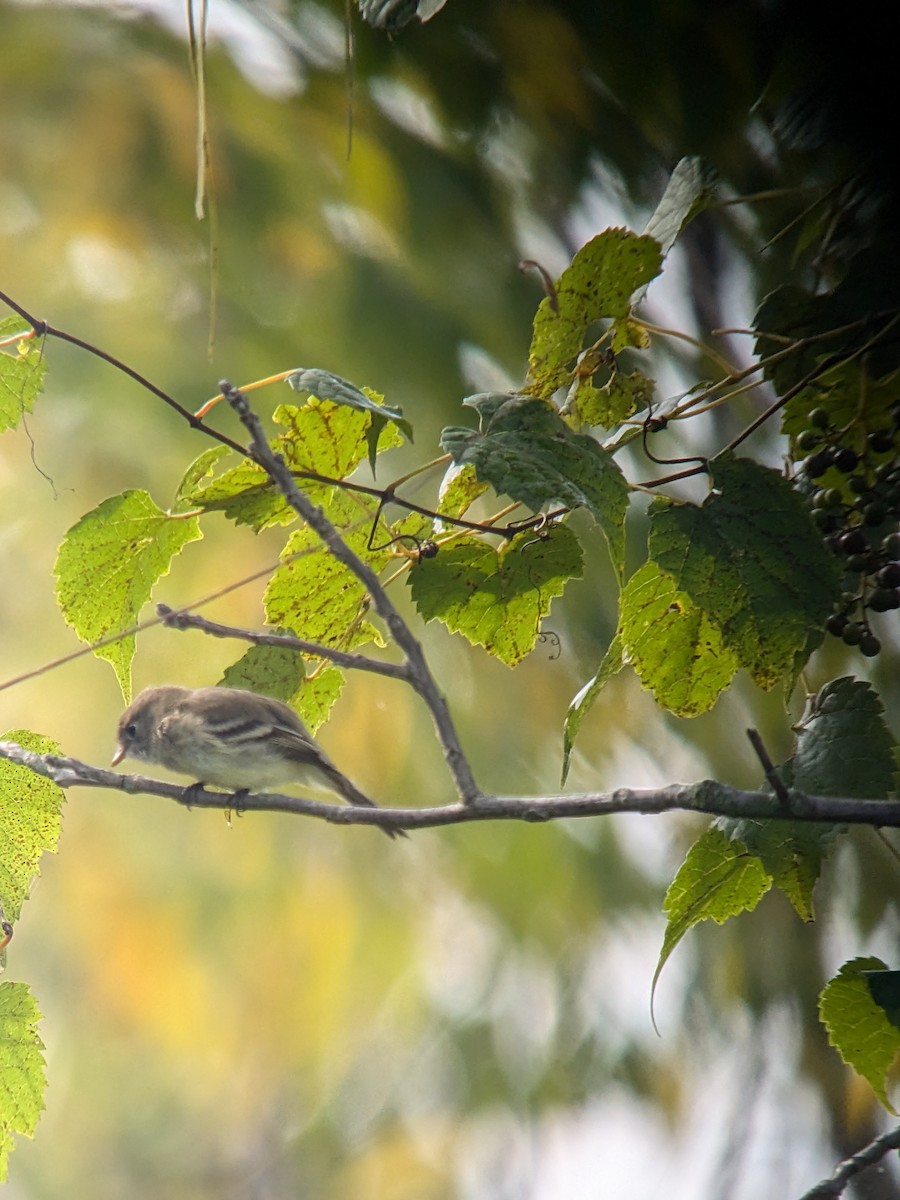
x=118, y=756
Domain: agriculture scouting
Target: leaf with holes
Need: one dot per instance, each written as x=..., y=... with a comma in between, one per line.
x=497, y=598
x=107, y=566
x=752, y=560
x=22, y=372
x=525, y=450
x=22, y=1078
x=599, y=282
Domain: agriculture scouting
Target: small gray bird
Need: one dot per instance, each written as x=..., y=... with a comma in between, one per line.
x=229, y=737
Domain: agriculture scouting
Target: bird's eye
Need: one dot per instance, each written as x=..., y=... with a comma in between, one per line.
x=130, y=730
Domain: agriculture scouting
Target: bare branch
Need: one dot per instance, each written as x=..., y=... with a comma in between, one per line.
x=179, y=619
x=867, y=1157
x=419, y=675
x=707, y=798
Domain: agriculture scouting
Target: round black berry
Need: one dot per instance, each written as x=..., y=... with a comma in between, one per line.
x=817, y=464
x=889, y=576
x=870, y=645
x=846, y=460
x=883, y=599
x=836, y=622
x=854, y=542
x=881, y=440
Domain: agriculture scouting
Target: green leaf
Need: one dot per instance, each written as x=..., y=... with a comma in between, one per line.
x=858, y=1026
x=327, y=437
x=598, y=283
x=689, y=190
x=613, y=661
x=318, y=694
x=843, y=745
x=30, y=821
x=718, y=879
x=244, y=493
x=678, y=653
x=751, y=558
x=619, y=398
x=319, y=438
x=459, y=489
x=885, y=989
x=497, y=598
x=281, y=672
x=22, y=372
x=106, y=568
x=326, y=386
x=316, y=595
x=795, y=315
x=275, y=671
x=790, y=851
x=526, y=450
x=191, y=491
x=855, y=403
x=842, y=748
x=22, y=1078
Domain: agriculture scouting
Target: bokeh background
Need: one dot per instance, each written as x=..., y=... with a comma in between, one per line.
x=270, y=1008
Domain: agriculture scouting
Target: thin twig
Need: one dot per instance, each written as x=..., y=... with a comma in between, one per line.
x=179, y=619
x=776, y=783
x=420, y=676
x=828, y=1189
x=43, y=329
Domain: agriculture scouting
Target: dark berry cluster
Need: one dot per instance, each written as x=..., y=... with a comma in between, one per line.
x=852, y=477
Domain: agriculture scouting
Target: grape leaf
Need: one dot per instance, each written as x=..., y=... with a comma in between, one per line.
x=885, y=989
x=612, y=663
x=22, y=1078
x=315, y=382
x=677, y=651
x=525, y=450
x=318, y=694
x=842, y=748
x=855, y=402
x=790, y=851
x=190, y=491
x=718, y=879
x=320, y=437
x=598, y=283
x=281, y=672
x=30, y=821
x=688, y=192
x=858, y=1026
x=751, y=558
x=276, y=671
x=315, y=594
x=107, y=565
x=609, y=405
x=22, y=374
x=497, y=598
x=459, y=488
x=843, y=745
